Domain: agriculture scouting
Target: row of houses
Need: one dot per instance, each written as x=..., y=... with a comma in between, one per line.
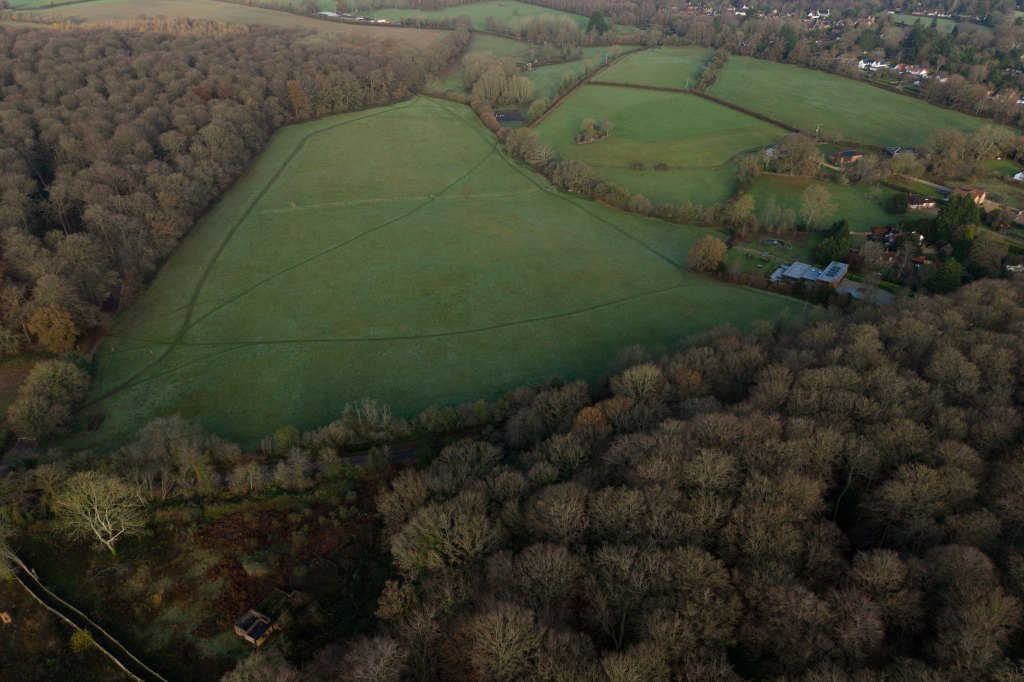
x=351, y=17
x=905, y=69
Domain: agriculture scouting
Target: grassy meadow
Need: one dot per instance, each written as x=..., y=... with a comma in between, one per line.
x=844, y=108
x=695, y=138
x=415, y=273
x=942, y=23
x=546, y=79
x=666, y=67
x=120, y=10
x=507, y=10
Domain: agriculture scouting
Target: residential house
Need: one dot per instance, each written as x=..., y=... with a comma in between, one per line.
x=978, y=195
x=872, y=65
x=831, y=275
x=909, y=70
x=847, y=157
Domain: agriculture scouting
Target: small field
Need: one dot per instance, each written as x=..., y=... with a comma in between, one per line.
x=547, y=78
x=666, y=67
x=864, y=207
x=120, y=10
x=942, y=23
x=844, y=108
x=696, y=139
x=421, y=274
x=506, y=10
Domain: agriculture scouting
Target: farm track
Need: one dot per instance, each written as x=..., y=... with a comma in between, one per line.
x=190, y=321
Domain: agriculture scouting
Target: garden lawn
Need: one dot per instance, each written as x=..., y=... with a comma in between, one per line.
x=666, y=67
x=697, y=139
x=507, y=10
x=119, y=10
x=864, y=207
x=844, y=108
x=395, y=254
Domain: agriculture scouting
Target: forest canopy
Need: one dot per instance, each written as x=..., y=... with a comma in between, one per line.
x=842, y=503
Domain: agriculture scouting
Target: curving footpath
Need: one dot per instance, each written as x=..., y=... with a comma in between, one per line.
x=121, y=657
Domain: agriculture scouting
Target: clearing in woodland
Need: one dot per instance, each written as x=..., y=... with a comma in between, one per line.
x=212, y=10
x=396, y=254
x=696, y=139
x=844, y=108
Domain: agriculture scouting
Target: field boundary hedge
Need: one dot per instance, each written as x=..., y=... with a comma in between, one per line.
x=735, y=107
x=583, y=81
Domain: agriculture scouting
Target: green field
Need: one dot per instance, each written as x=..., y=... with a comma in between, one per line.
x=864, y=207
x=666, y=67
x=358, y=257
x=500, y=47
x=844, y=108
x=507, y=10
x=696, y=138
x=547, y=78
x=941, y=23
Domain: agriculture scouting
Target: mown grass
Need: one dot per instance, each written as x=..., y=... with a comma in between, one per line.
x=666, y=67
x=844, y=108
x=507, y=10
x=695, y=138
x=359, y=257
x=1006, y=167
x=116, y=10
x=863, y=207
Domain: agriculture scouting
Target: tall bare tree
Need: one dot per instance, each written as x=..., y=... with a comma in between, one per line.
x=94, y=505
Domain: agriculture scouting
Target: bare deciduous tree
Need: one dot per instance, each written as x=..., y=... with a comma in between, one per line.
x=95, y=505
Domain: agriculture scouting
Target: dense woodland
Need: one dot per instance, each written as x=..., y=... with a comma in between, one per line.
x=113, y=142
x=841, y=503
